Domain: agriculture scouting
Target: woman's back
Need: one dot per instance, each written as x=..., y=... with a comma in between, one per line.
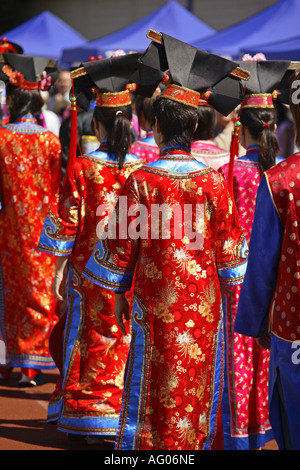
x=30, y=161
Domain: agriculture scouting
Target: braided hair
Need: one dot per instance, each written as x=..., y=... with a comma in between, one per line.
x=261, y=124
x=117, y=123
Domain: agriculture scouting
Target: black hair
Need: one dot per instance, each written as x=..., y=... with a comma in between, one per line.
x=261, y=125
x=117, y=123
x=207, y=121
x=281, y=112
x=176, y=121
x=23, y=102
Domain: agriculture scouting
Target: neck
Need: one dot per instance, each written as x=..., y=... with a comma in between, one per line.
x=247, y=139
x=250, y=141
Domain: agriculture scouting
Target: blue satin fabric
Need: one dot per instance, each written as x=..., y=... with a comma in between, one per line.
x=217, y=383
x=134, y=388
x=49, y=244
x=73, y=329
x=105, y=157
x=261, y=275
x=149, y=139
x=233, y=275
x=181, y=167
x=53, y=411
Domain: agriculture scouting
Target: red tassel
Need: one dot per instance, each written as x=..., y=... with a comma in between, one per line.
x=234, y=153
x=73, y=135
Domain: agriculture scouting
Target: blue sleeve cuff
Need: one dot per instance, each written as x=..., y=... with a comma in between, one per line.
x=102, y=272
x=51, y=243
x=234, y=274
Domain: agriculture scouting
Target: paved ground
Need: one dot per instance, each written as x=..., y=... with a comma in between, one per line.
x=23, y=413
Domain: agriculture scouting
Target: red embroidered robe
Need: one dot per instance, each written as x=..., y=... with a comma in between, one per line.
x=94, y=352
x=30, y=167
x=174, y=375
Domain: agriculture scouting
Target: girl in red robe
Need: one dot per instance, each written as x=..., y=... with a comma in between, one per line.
x=94, y=350
x=30, y=165
x=177, y=265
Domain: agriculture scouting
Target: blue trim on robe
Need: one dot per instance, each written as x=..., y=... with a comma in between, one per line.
x=53, y=411
x=105, y=157
x=74, y=320
x=149, y=140
x=260, y=282
x=111, y=425
x=235, y=274
x=49, y=244
x=31, y=361
x=136, y=390
x=217, y=383
x=232, y=276
x=179, y=167
x=110, y=277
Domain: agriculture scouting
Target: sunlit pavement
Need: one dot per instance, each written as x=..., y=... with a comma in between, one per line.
x=23, y=413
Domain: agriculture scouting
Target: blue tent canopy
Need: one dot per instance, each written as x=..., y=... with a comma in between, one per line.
x=283, y=50
x=171, y=18
x=279, y=22
x=45, y=35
